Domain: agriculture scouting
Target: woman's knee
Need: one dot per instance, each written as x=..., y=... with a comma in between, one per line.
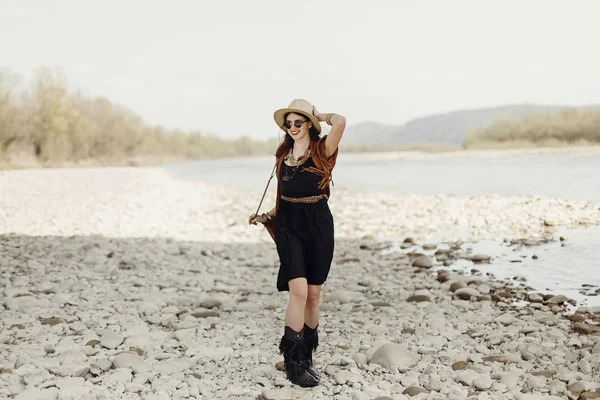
x=313, y=296
x=298, y=290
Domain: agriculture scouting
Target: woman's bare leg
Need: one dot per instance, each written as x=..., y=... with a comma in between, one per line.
x=311, y=311
x=294, y=315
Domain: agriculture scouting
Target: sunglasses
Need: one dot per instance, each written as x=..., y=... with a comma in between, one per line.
x=297, y=123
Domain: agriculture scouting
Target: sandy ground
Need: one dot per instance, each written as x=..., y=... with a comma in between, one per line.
x=124, y=283
x=148, y=202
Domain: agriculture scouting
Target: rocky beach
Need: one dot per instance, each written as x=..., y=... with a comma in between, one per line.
x=126, y=283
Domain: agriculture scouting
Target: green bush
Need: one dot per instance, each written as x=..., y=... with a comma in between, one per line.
x=63, y=126
x=571, y=126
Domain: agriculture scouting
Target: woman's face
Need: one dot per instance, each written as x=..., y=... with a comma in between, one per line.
x=291, y=122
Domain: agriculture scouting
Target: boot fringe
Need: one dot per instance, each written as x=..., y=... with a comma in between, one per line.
x=292, y=346
x=311, y=337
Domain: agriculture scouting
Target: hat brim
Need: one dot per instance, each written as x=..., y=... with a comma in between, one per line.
x=279, y=116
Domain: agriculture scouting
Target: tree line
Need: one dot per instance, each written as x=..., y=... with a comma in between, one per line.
x=58, y=125
x=55, y=125
x=572, y=126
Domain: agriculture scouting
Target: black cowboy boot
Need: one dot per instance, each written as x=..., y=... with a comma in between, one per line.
x=311, y=341
x=292, y=348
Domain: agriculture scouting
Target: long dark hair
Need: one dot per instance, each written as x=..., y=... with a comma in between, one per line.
x=288, y=142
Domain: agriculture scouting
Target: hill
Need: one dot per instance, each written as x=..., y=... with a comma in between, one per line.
x=448, y=128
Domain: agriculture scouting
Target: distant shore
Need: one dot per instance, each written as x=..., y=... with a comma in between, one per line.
x=482, y=153
x=373, y=154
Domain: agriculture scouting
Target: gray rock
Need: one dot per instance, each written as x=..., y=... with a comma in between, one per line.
x=565, y=375
x=377, y=330
x=454, y=286
x=159, y=396
x=117, y=377
x=506, y=319
x=134, y=387
x=74, y=393
x=420, y=298
x=341, y=297
x=102, y=364
x=211, y=303
x=131, y=360
x=520, y=396
x=147, y=340
x=148, y=308
x=510, y=380
x=71, y=356
x=585, y=367
x=459, y=365
x=483, y=289
x=435, y=383
x=560, y=299
x=173, y=366
x=49, y=348
x=557, y=387
x=64, y=383
x=360, y=359
x=342, y=377
x=480, y=258
x=278, y=394
x=467, y=377
x=494, y=340
x=527, y=356
x=414, y=391
x=16, y=292
x=391, y=355
x=359, y=396
x=111, y=340
x=25, y=303
x=576, y=388
x=536, y=382
x=77, y=370
x=38, y=394
x=466, y=293
x=442, y=257
x=422, y=262
x=483, y=383
x=15, y=388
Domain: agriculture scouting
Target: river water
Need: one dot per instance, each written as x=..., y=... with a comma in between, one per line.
x=571, y=267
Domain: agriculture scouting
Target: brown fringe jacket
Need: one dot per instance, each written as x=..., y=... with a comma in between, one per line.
x=323, y=167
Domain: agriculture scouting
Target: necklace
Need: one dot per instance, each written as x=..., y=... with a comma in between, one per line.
x=292, y=159
x=295, y=164
x=287, y=176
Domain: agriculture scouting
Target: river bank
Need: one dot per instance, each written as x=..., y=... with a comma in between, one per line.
x=128, y=283
x=27, y=160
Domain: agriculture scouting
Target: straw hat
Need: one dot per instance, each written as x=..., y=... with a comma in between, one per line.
x=298, y=106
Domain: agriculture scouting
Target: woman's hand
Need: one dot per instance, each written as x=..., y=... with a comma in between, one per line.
x=319, y=116
x=256, y=219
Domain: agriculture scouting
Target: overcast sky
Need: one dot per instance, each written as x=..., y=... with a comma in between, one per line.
x=223, y=67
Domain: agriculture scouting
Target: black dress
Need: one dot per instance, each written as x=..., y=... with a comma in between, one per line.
x=303, y=231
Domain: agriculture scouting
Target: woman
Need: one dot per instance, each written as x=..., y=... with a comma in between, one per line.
x=303, y=228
